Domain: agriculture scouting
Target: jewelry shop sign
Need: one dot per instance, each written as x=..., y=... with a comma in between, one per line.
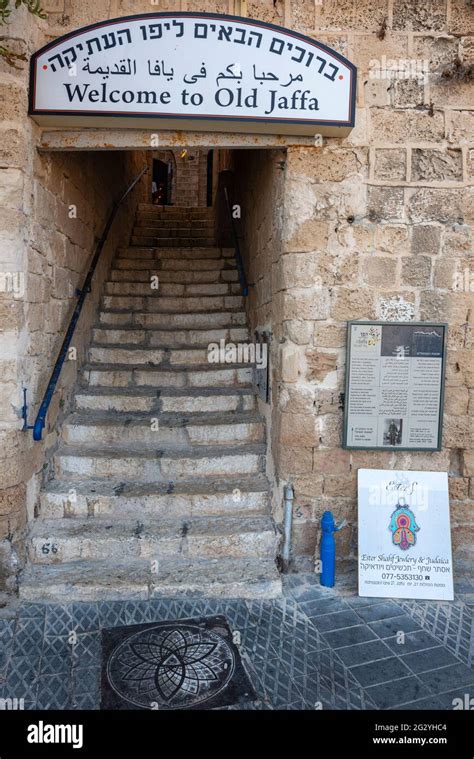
x=404, y=535
x=193, y=70
x=394, y=385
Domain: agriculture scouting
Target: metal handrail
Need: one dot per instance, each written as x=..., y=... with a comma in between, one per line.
x=238, y=254
x=40, y=421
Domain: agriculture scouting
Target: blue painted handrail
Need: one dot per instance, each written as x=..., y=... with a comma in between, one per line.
x=238, y=254
x=86, y=288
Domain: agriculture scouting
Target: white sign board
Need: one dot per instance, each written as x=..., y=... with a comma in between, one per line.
x=404, y=535
x=205, y=71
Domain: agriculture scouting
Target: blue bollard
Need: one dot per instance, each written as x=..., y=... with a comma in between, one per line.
x=328, y=549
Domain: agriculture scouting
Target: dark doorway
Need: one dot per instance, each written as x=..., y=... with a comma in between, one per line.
x=210, y=166
x=161, y=183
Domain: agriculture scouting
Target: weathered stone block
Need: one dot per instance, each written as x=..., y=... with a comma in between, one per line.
x=309, y=236
x=437, y=51
x=291, y=460
x=385, y=203
x=306, y=304
x=308, y=485
x=443, y=206
x=456, y=400
x=351, y=304
x=298, y=430
x=320, y=364
x=329, y=335
x=460, y=126
x=461, y=17
x=298, y=331
x=337, y=461
x=390, y=164
x=425, y=240
x=458, y=491
x=392, y=238
x=416, y=271
x=303, y=15
x=392, y=126
x=340, y=485
x=408, y=93
x=380, y=272
x=429, y=15
x=396, y=307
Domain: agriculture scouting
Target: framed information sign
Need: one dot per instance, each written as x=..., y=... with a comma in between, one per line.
x=394, y=385
x=404, y=535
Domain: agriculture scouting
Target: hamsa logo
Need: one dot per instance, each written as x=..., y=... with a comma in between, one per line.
x=403, y=527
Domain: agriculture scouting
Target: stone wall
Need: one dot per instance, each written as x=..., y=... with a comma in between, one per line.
x=53, y=210
x=377, y=225
x=258, y=190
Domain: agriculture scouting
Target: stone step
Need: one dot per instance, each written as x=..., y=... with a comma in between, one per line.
x=173, y=264
x=156, y=288
x=161, y=465
x=168, y=430
x=170, y=210
x=151, y=222
x=134, y=579
x=159, y=356
x=66, y=540
x=158, y=377
x=216, y=320
x=184, y=276
x=166, y=401
x=176, y=254
x=181, y=231
x=178, y=304
x=171, y=242
x=168, y=337
x=194, y=498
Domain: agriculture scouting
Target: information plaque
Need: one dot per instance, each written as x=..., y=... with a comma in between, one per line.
x=394, y=385
x=404, y=535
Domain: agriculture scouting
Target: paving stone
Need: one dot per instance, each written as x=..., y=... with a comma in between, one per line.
x=380, y=671
x=413, y=641
x=364, y=652
x=86, y=652
x=58, y=620
x=86, y=681
x=447, y=678
x=28, y=637
x=398, y=692
x=386, y=628
x=320, y=606
x=85, y=617
x=86, y=701
x=349, y=636
x=53, y=692
x=336, y=621
x=53, y=665
x=429, y=659
x=376, y=612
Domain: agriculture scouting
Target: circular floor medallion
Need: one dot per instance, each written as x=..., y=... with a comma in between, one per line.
x=174, y=667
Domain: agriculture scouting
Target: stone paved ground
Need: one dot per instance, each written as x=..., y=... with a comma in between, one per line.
x=311, y=645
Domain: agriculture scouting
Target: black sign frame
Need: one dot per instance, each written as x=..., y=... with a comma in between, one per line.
x=371, y=323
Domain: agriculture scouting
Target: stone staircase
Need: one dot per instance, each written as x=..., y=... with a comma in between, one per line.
x=160, y=484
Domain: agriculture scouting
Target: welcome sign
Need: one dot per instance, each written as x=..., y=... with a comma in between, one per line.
x=404, y=535
x=202, y=71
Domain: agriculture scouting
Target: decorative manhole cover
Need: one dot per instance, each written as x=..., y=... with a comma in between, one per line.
x=182, y=664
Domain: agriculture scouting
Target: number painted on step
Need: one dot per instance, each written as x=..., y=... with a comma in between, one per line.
x=48, y=548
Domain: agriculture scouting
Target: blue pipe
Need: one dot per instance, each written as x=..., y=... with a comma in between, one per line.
x=328, y=549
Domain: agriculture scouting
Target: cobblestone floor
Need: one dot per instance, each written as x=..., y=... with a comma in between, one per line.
x=311, y=648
